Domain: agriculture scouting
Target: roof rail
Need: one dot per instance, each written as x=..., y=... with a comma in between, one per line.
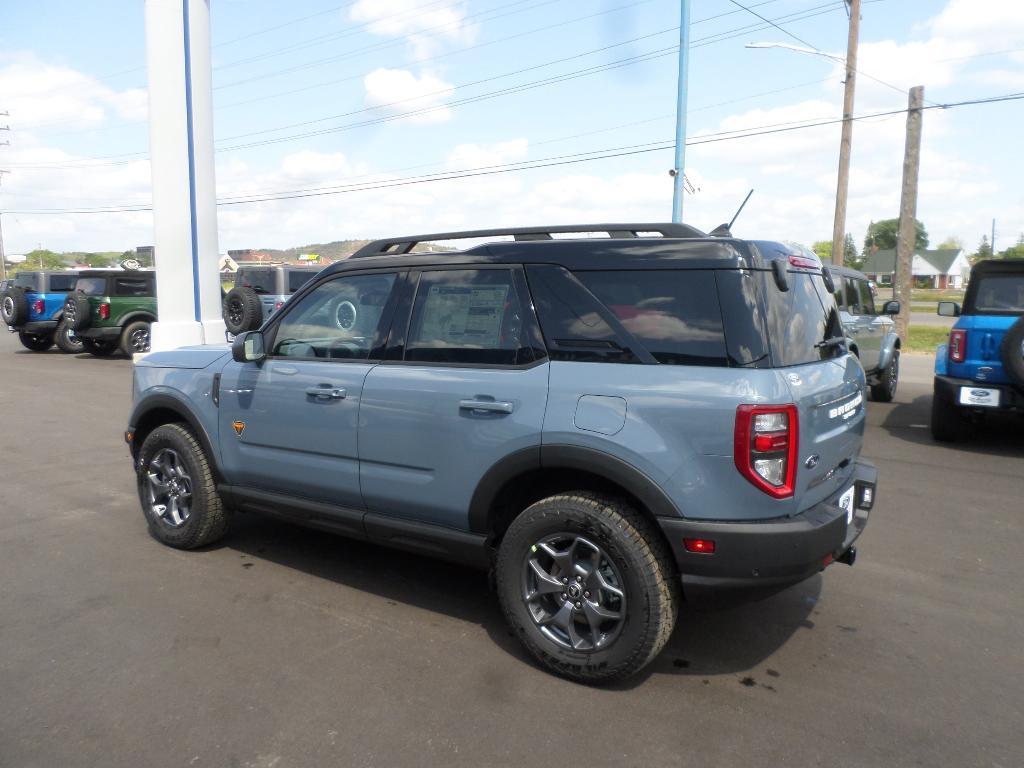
x=395, y=246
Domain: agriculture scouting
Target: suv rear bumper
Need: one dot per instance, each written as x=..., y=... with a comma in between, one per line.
x=41, y=327
x=102, y=333
x=771, y=553
x=948, y=388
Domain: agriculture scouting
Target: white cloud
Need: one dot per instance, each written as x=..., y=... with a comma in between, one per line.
x=426, y=28
x=399, y=91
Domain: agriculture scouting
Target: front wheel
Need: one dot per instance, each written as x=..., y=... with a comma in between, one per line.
x=66, y=339
x=588, y=585
x=177, y=490
x=35, y=343
x=885, y=390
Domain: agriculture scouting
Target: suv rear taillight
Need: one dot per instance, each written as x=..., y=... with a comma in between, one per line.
x=104, y=311
x=958, y=345
x=38, y=306
x=765, y=447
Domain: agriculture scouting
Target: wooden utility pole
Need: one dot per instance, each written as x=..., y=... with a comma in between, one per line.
x=846, y=141
x=906, y=240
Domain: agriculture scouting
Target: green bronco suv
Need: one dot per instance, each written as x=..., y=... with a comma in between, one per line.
x=112, y=309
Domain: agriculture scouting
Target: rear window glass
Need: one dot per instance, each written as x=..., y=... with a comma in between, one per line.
x=298, y=279
x=91, y=286
x=1000, y=294
x=260, y=280
x=674, y=313
x=131, y=286
x=26, y=281
x=801, y=319
x=62, y=283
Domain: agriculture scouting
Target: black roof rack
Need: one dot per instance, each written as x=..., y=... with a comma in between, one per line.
x=394, y=246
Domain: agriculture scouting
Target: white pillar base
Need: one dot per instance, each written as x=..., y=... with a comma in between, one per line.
x=167, y=335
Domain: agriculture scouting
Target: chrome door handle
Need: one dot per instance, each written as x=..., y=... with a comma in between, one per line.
x=491, y=406
x=326, y=392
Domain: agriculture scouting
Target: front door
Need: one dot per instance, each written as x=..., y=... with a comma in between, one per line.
x=289, y=423
x=467, y=392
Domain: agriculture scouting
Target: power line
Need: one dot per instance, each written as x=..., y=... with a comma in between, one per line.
x=558, y=160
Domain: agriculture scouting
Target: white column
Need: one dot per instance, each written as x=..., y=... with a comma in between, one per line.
x=184, y=188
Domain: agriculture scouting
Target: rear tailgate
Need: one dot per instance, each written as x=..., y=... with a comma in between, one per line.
x=984, y=337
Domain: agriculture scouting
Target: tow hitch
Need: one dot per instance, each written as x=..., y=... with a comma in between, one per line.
x=849, y=557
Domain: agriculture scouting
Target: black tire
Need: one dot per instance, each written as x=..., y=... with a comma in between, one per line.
x=76, y=310
x=948, y=423
x=35, y=343
x=65, y=341
x=885, y=390
x=135, y=338
x=99, y=348
x=207, y=518
x=243, y=310
x=14, y=306
x=1011, y=351
x=634, y=554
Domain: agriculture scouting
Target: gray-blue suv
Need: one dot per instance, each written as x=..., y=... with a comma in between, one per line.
x=610, y=417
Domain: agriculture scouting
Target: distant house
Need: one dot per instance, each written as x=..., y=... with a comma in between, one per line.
x=940, y=268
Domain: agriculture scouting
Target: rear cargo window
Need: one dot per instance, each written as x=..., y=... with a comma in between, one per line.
x=131, y=286
x=674, y=313
x=802, y=320
x=91, y=286
x=298, y=279
x=62, y=283
x=1000, y=294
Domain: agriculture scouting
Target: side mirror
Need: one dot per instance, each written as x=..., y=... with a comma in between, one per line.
x=248, y=347
x=891, y=308
x=949, y=309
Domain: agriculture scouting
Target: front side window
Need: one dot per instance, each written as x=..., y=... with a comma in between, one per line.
x=132, y=286
x=851, y=298
x=91, y=286
x=337, y=320
x=867, y=300
x=467, y=316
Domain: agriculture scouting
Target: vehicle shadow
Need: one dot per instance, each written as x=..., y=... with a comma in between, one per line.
x=711, y=638
x=999, y=436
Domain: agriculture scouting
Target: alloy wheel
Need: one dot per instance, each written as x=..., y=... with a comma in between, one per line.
x=169, y=488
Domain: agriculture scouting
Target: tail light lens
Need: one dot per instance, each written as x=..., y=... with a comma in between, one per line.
x=104, y=311
x=957, y=345
x=38, y=306
x=278, y=305
x=766, y=438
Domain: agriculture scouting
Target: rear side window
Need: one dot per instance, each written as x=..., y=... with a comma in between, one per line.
x=260, y=280
x=675, y=314
x=26, y=280
x=850, y=297
x=467, y=316
x=298, y=279
x=801, y=320
x=131, y=286
x=91, y=286
x=62, y=283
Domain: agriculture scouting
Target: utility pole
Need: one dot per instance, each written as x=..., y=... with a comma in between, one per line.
x=992, y=242
x=846, y=141
x=678, y=179
x=906, y=240
x=3, y=257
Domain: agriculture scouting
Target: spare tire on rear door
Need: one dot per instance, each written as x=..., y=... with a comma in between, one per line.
x=14, y=306
x=76, y=310
x=243, y=310
x=1012, y=352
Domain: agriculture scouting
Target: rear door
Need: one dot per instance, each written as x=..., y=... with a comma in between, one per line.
x=289, y=423
x=826, y=384
x=466, y=390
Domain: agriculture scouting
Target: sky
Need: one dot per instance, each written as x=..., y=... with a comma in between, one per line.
x=361, y=103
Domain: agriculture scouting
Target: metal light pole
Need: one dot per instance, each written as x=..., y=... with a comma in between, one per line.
x=684, y=71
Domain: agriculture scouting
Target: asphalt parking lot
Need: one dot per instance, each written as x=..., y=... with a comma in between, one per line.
x=287, y=647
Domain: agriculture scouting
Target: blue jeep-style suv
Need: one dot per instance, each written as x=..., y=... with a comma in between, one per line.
x=608, y=423
x=980, y=372
x=33, y=307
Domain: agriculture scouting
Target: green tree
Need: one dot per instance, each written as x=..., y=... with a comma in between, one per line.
x=1014, y=251
x=41, y=259
x=883, y=234
x=824, y=250
x=952, y=243
x=851, y=258
x=984, y=250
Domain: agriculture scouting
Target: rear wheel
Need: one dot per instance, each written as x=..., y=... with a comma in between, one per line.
x=588, y=585
x=885, y=390
x=135, y=338
x=177, y=489
x=34, y=342
x=66, y=340
x=99, y=348
x=948, y=422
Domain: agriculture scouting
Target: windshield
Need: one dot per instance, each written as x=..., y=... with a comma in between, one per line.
x=1000, y=294
x=91, y=286
x=803, y=322
x=260, y=280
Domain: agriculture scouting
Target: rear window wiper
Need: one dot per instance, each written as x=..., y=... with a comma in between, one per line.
x=834, y=341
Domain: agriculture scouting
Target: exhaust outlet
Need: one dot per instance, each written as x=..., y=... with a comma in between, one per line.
x=849, y=557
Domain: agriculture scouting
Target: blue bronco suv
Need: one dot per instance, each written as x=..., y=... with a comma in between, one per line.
x=608, y=423
x=33, y=307
x=980, y=372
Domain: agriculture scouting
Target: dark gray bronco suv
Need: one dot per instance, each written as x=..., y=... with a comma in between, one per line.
x=610, y=423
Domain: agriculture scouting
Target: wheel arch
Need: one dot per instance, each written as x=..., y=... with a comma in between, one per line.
x=158, y=410
x=534, y=473
x=132, y=317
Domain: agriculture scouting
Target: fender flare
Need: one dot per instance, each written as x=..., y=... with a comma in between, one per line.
x=889, y=345
x=179, y=407
x=137, y=315
x=575, y=457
